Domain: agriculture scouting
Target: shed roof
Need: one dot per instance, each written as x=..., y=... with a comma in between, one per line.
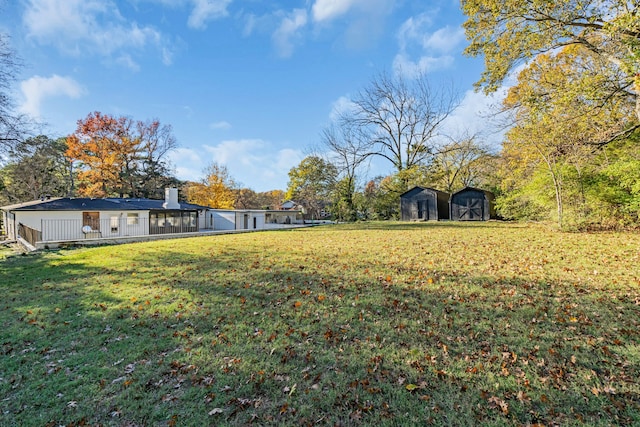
x=486, y=192
x=422, y=189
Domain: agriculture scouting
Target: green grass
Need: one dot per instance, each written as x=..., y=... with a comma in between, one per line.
x=5, y=252
x=377, y=323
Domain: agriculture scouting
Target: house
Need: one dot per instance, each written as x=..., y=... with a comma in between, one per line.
x=68, y=219
x=424, y=204
x=472, y=204
x=252, y=219
x=84, y=220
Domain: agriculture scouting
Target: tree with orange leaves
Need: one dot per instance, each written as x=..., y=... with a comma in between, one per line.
x=120, y=156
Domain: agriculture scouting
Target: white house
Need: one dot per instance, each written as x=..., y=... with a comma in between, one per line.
x=79, y=219
x=252, y=219
x=68, y=219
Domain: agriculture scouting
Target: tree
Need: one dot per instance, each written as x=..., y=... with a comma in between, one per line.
x=347, y=148
x=119, y=156
x=459, y=164
x=37, y=168
x=510, y=32
x=246, y=198
x=217, y=189
x=311, y=183
x=156, y=142
x=553, y=133
x=401, y=119
x=379, y=200
x=271, y=199
x=13, y=126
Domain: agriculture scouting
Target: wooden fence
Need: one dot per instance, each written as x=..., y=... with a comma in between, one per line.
x=29, y=234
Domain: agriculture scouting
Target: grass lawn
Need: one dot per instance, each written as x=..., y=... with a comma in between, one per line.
x=380, y=323
x=5, y=252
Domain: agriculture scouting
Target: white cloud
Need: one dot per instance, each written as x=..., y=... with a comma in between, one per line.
x=223, y=125
x=474, y=116
x=326, y=10
x=36, y=89
x=340, y=106
x=188, y=163
x=288, y=31
x=364, y=20
x=445, y=39
x=413, y=29
x=78, y=27
x=254, y=163
x=127, y=61
x=422, y=50
x=206, y=10
x=287, y=159
x=403, y=64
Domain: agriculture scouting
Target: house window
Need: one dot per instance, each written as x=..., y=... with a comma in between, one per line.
x=132, y=219
x=114, y=224
x=92, y=219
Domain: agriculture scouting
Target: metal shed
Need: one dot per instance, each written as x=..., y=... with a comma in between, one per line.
x=424, y=204
x=472, y=204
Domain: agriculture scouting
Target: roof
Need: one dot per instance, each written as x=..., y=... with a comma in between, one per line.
x=422, y=189
x=109, y=204
x=486, y=192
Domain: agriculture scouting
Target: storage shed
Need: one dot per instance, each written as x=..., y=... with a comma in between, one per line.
x=424, y=204
x=472, y=204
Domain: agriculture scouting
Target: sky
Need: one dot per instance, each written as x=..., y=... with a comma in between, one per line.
x=249, y=84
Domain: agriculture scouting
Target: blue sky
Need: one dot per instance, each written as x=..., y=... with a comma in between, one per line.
x=246, y=83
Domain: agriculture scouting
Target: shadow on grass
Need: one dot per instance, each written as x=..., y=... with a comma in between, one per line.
x=233, y=335
x=419, y=225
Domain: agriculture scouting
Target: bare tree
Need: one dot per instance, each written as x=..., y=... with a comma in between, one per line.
x=460, y=163
x=401, y=118
x=348, y=149
x=13, y=126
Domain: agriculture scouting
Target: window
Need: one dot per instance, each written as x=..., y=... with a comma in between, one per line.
x=92, y=219
x=132, y=219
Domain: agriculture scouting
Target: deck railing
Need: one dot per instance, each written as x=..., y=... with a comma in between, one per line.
x=77, y=229
x=114, y=227
x=29, y=234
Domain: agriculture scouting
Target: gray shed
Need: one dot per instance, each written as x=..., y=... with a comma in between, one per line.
x=424, y=204
x=472, y=204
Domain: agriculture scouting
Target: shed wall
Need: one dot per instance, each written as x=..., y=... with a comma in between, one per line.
x=423, y=204
x=470, y=205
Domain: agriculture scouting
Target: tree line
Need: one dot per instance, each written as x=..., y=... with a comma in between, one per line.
x=572, y=119
x=112, y=156
x=571, y=70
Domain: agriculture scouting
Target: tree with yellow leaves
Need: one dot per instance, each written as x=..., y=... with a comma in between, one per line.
x=216, y=190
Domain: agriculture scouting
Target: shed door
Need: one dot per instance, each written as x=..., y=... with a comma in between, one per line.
x=423, y=210
x=92, y=219
x=470, y=209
